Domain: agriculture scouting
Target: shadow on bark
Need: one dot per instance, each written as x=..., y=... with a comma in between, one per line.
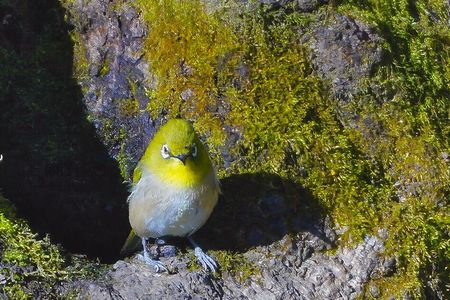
x=55, y=169
x=259, y=209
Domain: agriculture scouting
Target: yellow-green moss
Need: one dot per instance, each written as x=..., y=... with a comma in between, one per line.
x=123, y=161
x=390, y=171
x=16, y=292
x=104, y=69
x=412, y=154
x=183, y=48
x=128, y=107
x=396, y=286
x=31, y=258
x=234, y=264
x=133, y=87
x=22, y=248
x=80, y=62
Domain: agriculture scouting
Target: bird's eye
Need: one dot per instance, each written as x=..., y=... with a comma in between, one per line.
x=194, y=151
x=165, y=153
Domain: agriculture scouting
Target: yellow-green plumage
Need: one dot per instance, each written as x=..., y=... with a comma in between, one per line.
x=173, y=193
x=180, y=136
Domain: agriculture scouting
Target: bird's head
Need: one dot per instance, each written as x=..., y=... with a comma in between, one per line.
x=176, y=154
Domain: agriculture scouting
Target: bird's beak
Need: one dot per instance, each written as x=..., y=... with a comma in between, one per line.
x=183, y=157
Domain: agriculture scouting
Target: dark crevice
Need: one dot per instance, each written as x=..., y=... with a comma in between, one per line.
x=55, y=169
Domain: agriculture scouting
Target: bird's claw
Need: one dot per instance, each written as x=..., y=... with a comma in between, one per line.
x=160, y=242
x=205, y=260
x=157, y=265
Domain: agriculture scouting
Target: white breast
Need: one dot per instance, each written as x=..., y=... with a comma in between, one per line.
x=157, y=209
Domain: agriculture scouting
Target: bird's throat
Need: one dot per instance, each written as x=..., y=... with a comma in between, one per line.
x=182, y=175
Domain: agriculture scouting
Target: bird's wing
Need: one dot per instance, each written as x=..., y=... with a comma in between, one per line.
x=132, y=244
x=137, y=173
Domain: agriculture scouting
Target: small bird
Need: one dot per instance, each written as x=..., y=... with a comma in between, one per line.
x=175, y=189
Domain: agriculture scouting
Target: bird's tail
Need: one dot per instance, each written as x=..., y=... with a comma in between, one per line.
x=132, y=244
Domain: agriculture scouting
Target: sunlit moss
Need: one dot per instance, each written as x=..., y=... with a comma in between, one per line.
x=413, y=148
x=390, y=170
x=124, y=163
x=236, y=265
x=16, y=292
x=128, y=107
x=80, y=62
x=104, y=70
x=233, y=264
x=183, y=47
x=27, y=258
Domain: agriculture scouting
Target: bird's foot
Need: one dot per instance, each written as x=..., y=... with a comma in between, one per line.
x=205, y=260
x=156, y=264
x=160, y=242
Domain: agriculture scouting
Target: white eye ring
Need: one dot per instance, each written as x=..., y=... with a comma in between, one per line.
x=194, y=151
x=165, y=153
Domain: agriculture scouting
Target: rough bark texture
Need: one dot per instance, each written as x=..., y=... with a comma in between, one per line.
x=300, y=271
x=117, y=73
x=345, y=51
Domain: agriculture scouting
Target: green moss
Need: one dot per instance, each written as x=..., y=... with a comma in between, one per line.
x=80, y=62
x=26, y=258
x=66, y=3
x=389, y=171
x=124, y=162
x=104, y=70
x=233, y=264
x=397, y=287
x=128, y=107
x=183, y=48
x=117, y=136
x=133, y=87
x=16, y=292
x=411, y=153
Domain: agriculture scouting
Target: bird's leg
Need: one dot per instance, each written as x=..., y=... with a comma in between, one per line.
x=206, y=261
x=159, y=242
x=159, y=266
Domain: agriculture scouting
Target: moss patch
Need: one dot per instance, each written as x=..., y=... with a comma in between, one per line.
x=80, y=62
x=235, y=264
x=26, y=259
x=390, y=171
x=104, y=69
x=128, y=107
x=231, y=263
x=412, y=151
x=183, y=46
